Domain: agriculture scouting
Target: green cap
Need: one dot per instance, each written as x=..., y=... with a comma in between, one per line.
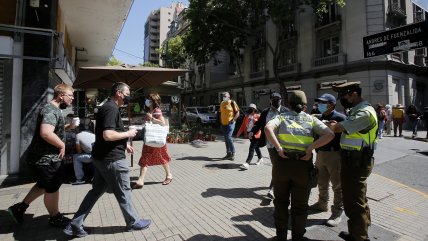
x=297, y=97
x=347, y=87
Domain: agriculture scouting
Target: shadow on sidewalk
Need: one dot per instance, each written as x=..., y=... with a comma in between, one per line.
x=234, y=192
x=224, y=166
x=198, y=158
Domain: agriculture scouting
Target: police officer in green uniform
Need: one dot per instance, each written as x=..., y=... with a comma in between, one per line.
x=292, y=134
x=358, y=140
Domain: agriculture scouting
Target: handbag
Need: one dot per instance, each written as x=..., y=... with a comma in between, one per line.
x=155, y=135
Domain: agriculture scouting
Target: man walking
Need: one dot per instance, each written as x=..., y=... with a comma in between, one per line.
x=111, y=167
x=357, y=143
x=268, y=114
x=229, y=112
x=328, y=163
x=45, y=157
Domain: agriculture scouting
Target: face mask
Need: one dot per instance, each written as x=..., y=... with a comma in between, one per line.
x=126, y=99
x=63, y=106
x=322, y=108
x=224, y=98
x=345, y=103
x=250, y=111
x=276, y=103
x=148, y=103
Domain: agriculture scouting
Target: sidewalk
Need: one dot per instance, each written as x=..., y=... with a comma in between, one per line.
x=212, y=199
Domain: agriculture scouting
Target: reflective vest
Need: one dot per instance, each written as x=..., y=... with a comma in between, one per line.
x=358, y=140
x=295, y=131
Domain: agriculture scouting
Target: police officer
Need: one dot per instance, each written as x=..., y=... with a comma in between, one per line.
x=292, y=135
x=357, y=145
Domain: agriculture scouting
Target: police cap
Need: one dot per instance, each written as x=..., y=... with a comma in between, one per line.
x=348, y=87
x=275, y=95
x=297, y=97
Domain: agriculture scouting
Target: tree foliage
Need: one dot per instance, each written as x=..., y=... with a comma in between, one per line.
x=217, y=25
x=113, y=61
x=148, y=64
x=173, y=53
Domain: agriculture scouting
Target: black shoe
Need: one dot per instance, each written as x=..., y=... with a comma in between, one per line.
x=346, y=236
x=59, y=221
x=17, y=213
x=227, y=156
x=232, y=157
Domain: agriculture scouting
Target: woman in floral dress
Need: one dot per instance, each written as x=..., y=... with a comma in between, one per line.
x=152, y=156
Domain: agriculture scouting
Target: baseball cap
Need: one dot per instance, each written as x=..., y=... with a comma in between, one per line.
x=252, y=106
x=327, y=97
x=275, y=94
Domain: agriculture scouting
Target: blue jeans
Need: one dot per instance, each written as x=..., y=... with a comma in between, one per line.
x=112, y=175
x=414, y=125
x=381, y=125
x=78, y=160
x=227, y=132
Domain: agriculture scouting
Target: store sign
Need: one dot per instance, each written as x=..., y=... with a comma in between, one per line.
x=412, y=36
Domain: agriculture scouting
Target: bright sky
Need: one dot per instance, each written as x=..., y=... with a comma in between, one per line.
x=130, y=46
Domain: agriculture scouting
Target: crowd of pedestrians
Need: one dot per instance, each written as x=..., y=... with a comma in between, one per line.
x=344, y=145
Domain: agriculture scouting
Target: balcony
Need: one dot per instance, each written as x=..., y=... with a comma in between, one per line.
x=263, y=74
x=339, y=59
x=289, y=69
x=396, y=10
x=327, y=21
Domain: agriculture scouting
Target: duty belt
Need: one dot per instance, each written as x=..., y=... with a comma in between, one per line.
x=294, y=154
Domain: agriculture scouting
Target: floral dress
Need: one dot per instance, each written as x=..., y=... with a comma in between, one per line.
x=152, y=156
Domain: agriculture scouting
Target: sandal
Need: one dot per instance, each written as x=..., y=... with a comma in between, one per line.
x=167, y=181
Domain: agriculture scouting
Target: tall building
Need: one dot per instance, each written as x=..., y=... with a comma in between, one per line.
x=156, y=29
x=320, y=51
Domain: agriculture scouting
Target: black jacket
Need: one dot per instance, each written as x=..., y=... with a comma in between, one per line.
x=261, y=123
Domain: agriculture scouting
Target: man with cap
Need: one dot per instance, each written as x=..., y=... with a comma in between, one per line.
x=359, y=136
x=328, y=163
x=292, y=135
x=229, y=112
x=268, y=114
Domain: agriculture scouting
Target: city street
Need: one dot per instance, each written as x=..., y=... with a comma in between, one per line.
x=212, y=199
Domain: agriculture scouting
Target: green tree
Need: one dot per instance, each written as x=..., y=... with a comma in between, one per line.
x=217, y=25
x=113, y=61
x=148, y=64
x=173, y=53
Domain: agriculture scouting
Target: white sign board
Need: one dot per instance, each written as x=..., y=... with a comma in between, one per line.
x=422, y=4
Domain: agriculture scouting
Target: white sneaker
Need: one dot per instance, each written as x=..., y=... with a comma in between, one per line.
x=260, y=161
x=335, y=219
x=245, y=166
x=78, y=182
x=270, y=195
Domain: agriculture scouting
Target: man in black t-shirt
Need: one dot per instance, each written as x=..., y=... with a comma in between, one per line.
x=328, y=163
x=111, y=167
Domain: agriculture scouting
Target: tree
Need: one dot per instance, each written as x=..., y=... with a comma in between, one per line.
x=217, y=25
x=114, y=61
x=148, y=64
x=173, y=53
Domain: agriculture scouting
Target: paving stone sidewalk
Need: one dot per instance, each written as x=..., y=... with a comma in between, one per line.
x=212, y=199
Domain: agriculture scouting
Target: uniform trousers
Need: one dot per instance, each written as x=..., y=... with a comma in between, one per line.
x=290, y=179
x=328, y=164
x=356, y=167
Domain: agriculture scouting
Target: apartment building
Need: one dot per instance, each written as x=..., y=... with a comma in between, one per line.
x=156, y=29
x=318, y=52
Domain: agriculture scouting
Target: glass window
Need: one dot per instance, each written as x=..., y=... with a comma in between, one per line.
x=330, y=46
x=258, y=60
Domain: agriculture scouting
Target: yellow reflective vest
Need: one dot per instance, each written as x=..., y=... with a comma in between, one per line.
x=296, y=131
x=357, y=140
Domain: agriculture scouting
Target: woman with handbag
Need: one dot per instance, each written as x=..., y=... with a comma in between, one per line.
x=152, y=156
x=247, y=124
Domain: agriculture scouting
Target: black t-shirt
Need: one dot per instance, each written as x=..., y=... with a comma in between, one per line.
x=335, y=143
x=108, y=118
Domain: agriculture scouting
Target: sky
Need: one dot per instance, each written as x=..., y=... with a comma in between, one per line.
x=130, y=46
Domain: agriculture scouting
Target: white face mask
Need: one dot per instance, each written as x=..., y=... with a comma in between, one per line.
x=225, y=98
x=148, y=103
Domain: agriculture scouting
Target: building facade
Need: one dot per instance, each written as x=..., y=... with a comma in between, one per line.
x=42, y=44
x=156, y=29
x=318, y=52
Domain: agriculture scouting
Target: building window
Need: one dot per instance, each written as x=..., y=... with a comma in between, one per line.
x=287, y=55
x=258, y=63
x=418, y=14
x=330, y=16
x=330, y=46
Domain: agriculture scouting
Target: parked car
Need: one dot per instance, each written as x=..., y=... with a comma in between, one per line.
x=200, y=115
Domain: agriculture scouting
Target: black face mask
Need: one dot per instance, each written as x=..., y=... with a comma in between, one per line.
x=63, y=106
x=345, y=103
x=276, y=103
x=126, y=99
x=250, y=111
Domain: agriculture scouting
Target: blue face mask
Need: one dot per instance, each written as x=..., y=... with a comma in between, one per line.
x=322, y=107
